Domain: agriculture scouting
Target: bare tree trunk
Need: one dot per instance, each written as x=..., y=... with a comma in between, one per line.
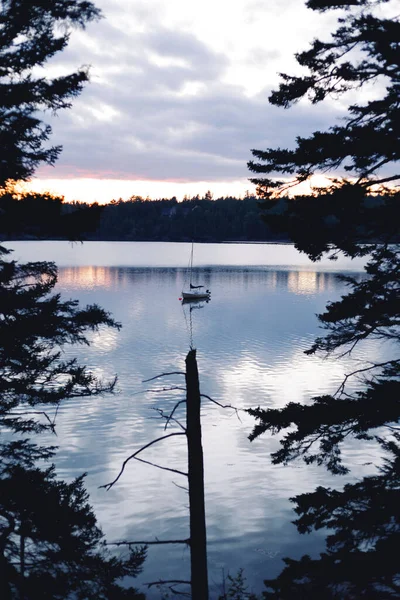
x=22, y=569
x=198, y=541
x=6, y=569
x=5, y=589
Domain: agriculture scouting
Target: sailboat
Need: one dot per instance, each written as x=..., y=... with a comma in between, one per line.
x=195, y=292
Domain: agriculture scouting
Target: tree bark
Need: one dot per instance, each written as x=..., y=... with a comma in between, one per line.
x=22, y=568
x=198, y=540
x=5, y=588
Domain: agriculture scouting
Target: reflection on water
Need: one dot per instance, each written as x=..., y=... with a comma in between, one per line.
x=251, y=339
x=297, y=282
x=307, y=282
x=89, y=277
x=161, y=254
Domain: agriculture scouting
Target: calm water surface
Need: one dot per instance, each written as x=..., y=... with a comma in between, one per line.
x=251, y=339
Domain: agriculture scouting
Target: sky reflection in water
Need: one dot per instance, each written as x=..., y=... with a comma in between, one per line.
x=251, y=339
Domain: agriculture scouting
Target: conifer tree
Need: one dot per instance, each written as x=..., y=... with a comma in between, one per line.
x=356, y=214
x=50, y=544
x=364, y=49
x=31, y=33
x=35, y=326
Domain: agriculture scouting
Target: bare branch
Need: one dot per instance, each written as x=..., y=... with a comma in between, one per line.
x=217, y=403
x=293, y=183
x=379, y=181
x=341, y=387
x=108, y=486
x=165, y=389
x=34, y=412
x=172, y=412
x=178, y=593
x=147, y=543
x=165, y=581
x=223, y=405
x=169, y=418
x=55, y=415
x=163, y=375
x=372, y=169
x=148, y=462
x=31, y=412
x=168, y=389
x=354, y=344
x=181, y=487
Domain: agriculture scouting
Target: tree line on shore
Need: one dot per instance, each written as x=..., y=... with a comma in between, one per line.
x=137, y=219
x=201, y=218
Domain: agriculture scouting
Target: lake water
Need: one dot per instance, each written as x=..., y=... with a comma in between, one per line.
x=250, y=340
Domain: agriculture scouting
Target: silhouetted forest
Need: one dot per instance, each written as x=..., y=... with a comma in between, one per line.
x=199, y=218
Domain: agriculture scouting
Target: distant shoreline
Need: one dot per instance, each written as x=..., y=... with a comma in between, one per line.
x=54, y=239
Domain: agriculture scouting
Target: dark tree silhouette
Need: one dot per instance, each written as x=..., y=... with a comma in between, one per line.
x=363, y=49
x=35, y=215
x=356, y=216
x=35, y=326
x=365, y=516
x=31, y=33
x=361, y=560
x=201, y=219
x=51, y=544
x=197, y=540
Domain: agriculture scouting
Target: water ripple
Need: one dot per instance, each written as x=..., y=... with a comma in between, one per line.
x=251, y=339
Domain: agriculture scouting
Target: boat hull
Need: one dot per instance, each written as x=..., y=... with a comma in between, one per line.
x=196, y=295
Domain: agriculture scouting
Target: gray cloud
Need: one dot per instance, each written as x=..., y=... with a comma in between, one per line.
x=155, y=130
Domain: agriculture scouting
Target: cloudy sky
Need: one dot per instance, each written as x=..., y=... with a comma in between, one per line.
x=178, y=97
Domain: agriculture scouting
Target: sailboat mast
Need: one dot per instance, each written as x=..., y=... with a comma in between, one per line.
x=191, y=264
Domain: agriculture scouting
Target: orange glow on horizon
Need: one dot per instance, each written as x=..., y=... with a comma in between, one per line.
x=104, y=190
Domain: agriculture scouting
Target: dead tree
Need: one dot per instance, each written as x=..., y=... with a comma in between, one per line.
x=198, y=540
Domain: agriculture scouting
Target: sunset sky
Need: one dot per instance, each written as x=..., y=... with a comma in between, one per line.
x=178, y=97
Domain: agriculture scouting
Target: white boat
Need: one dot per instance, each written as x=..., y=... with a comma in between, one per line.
x=196, y=295
x=195, y=292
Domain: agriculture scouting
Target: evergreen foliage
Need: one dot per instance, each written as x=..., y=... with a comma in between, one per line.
x=35, y=326
x=357, y=215
x=201, y=219
x=31, y=33
x=34, y=215
x=361, y=560
x=138, y=219
x=237, y=588
x=50, y=544
x=364, y=49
